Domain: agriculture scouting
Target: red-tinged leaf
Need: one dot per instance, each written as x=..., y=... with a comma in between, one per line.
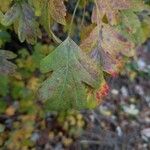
x=109, y=64
x=108, y=47
x=102, y=92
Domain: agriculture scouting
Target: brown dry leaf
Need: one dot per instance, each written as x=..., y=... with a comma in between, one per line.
x=49, y=10
x=58, y=11
x=110, y=9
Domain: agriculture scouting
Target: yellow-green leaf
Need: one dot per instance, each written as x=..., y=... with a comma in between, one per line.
x=71, y=71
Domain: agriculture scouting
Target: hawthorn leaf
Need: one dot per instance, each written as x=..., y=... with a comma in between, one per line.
x=22, y=14
x=108, y=47
x=113, y=42
x=110, y=64
x=52, y=11
x=110, y=9
x=28, y=28
x=72, y=70
x=58, y=11
x=6, y=67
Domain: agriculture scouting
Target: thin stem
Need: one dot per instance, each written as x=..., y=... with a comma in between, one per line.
x=83, y=16
x=55, y=38
x=77, y=4
x=97, y=16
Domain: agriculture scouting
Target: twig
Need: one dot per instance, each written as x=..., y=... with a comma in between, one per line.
x=77, y=4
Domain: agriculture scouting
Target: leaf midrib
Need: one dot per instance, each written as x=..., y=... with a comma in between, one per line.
x=66, y=75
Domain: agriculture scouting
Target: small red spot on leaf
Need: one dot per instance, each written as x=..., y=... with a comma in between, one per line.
x=102, y=92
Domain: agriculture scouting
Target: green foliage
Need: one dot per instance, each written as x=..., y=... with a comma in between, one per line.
x=53, y=75
x=75, y=77
x=71, y=68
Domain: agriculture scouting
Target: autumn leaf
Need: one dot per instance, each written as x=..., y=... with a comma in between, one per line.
x=28, y=28
x=58, y=11
x=110, y=64
x=114, y=43
x=52, y=10
x=108, y=46
x=71, y=70
x=103, y=91
x=110, y=9
x=6, y=67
